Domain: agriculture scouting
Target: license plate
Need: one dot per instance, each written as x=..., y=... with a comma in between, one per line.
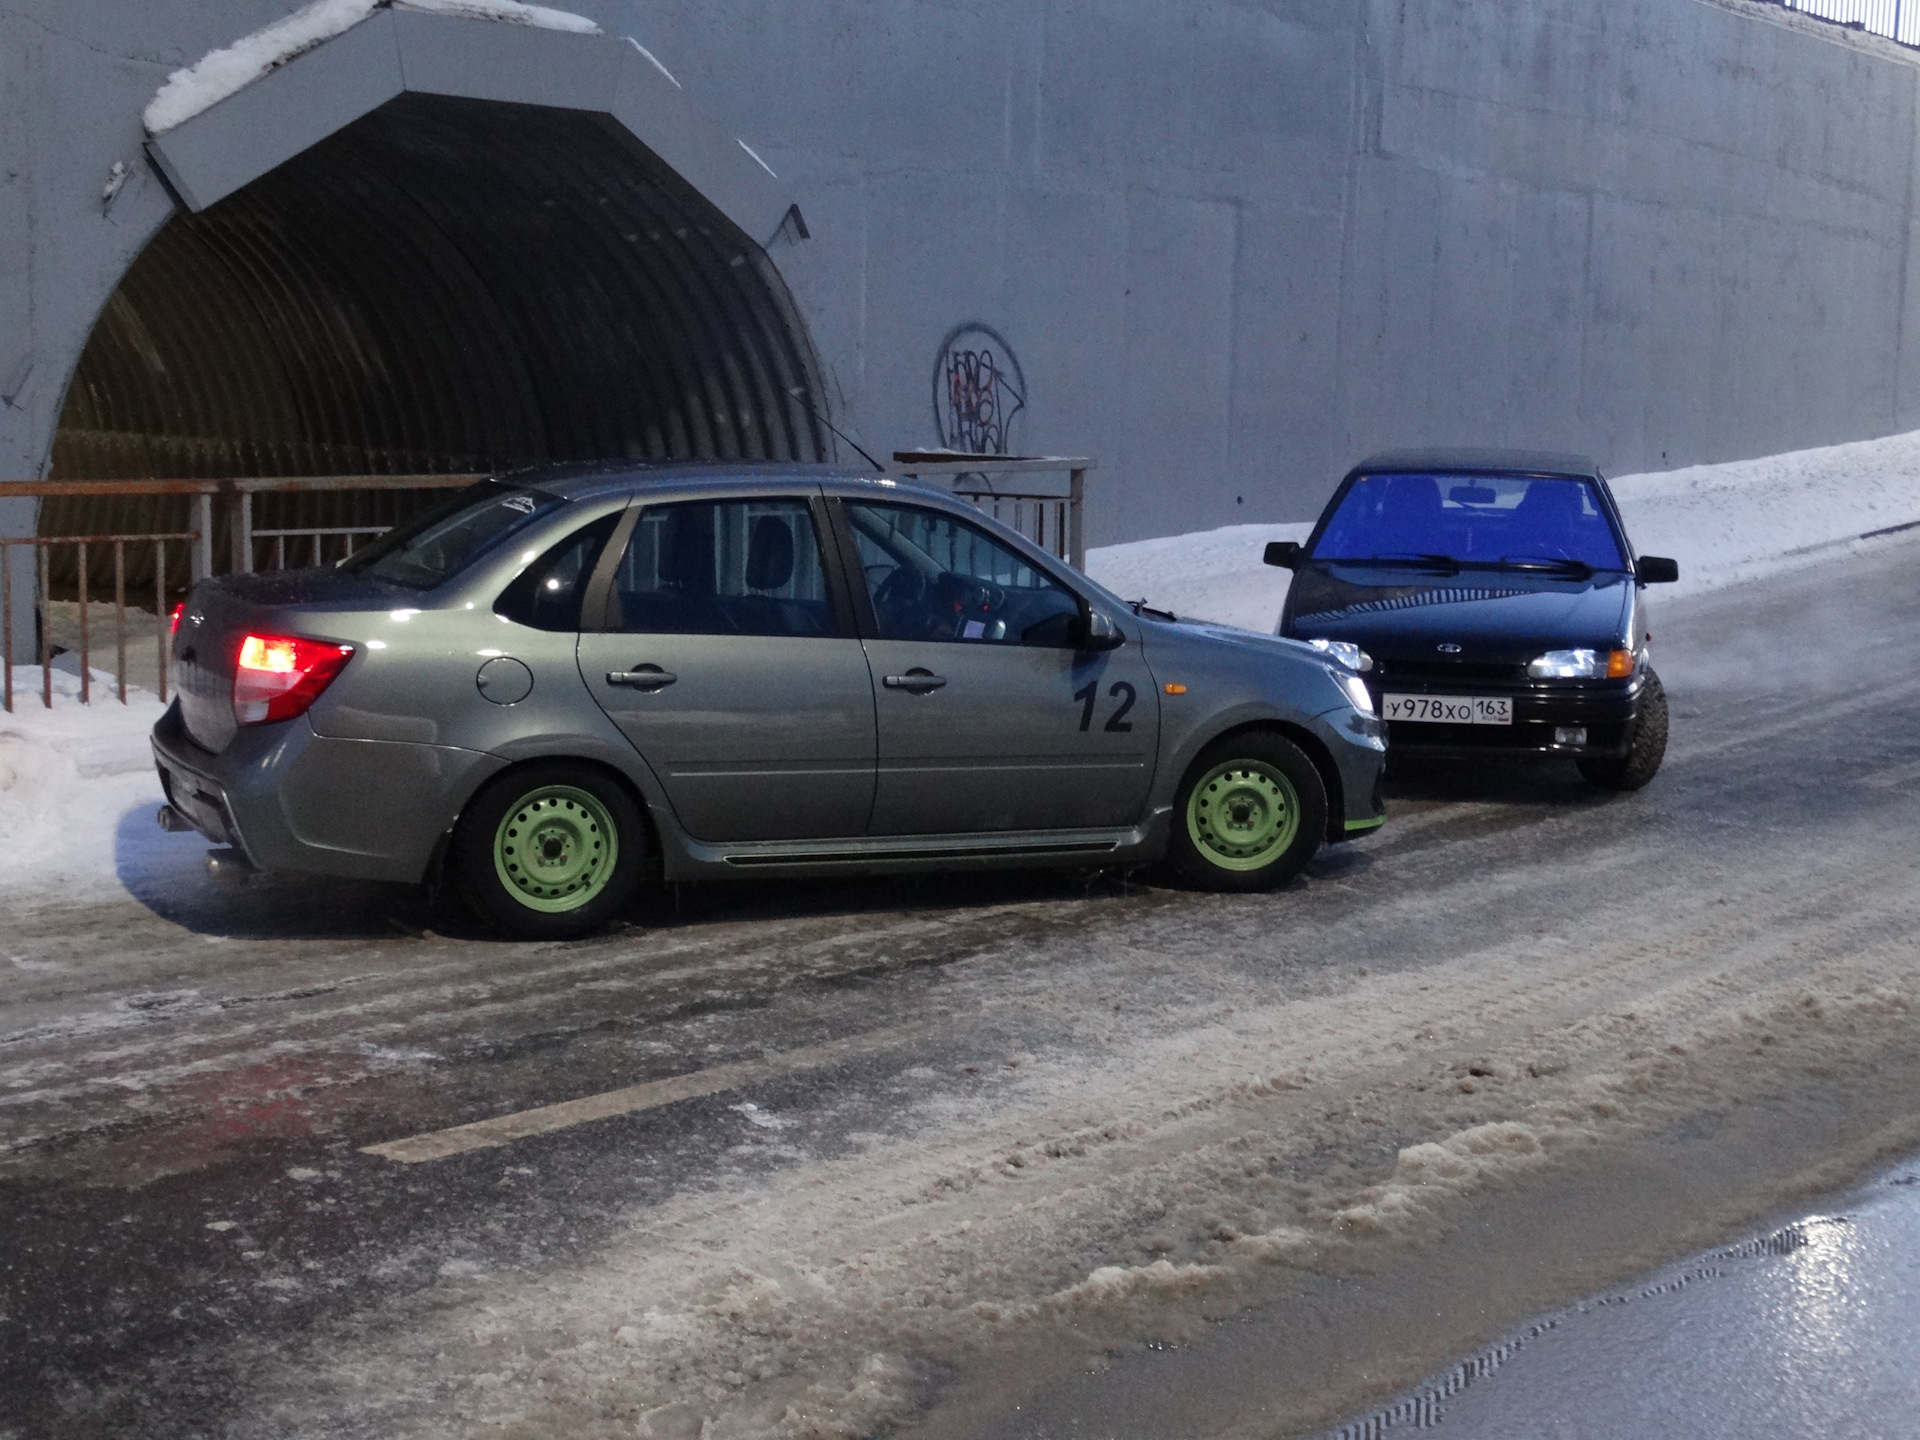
x=1450, y=709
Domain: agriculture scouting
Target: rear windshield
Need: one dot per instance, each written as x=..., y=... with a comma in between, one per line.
x=440, y=544
x=1472, y=520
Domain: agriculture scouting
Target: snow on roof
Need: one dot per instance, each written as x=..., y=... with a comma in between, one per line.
x=222, y=72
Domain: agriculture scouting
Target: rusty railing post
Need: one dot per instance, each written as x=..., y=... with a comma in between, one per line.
x=1076, y=519
x=202, y=565
x=86, y=648
x=243, y=531
x=160, y=609
x=120, y=616
x=6, y=616
x=41, y=591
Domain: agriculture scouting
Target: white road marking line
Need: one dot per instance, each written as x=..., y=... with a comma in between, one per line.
x=505, y=1129
x=1898, y=775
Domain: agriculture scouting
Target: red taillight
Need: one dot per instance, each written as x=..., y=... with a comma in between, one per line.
x=173, y=622
x=279, y=676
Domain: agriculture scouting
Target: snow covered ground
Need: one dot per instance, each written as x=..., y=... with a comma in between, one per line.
x=77, y=787
x=1723, y=523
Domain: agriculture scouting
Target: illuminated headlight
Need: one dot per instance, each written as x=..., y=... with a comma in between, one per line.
x=1582, y=665
x=1357, y=693
x=1346, y=652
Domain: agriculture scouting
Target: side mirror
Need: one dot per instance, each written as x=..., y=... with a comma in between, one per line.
x=1656, y=570
x=1283, y=553
x=1097, y=632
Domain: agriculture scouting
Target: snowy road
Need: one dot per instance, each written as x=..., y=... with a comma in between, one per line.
x=943, y=1148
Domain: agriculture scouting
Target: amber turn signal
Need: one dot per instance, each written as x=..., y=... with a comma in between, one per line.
x=1619, y=664
x=1174, y=688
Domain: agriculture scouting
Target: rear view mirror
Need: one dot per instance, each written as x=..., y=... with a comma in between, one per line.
x=1097, y=632
x=1473, y=495
x=1656, y=570
x=1283, y=553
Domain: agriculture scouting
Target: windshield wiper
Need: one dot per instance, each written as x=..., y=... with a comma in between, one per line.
x=1141, y=607
x=1423, y=561
x=1578, y=569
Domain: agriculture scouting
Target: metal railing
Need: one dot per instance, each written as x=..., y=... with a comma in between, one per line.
x=178, y=558
x=1897, y=20
x=1053, y=519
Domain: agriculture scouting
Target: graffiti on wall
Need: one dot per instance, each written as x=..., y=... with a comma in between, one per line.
x=978, y=391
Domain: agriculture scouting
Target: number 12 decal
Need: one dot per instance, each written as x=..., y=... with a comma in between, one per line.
x=1117, y=721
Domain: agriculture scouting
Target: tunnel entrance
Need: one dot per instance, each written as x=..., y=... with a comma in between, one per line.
x=446, y=285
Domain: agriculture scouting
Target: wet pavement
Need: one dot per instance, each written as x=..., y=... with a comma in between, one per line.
x=190, y=1074
x=1808, y=1331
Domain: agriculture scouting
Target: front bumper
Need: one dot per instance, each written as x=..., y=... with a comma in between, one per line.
x=1358, y=747
x=1605, y=709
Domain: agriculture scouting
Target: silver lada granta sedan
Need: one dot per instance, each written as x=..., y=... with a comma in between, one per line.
x=559, y=684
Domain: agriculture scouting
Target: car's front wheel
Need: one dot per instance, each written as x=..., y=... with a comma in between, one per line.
x=549, y=851
x=1645, y=750
x=1250, y=814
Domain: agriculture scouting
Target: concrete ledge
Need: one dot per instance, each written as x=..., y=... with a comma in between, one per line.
x=272, y=120
x=326, y=89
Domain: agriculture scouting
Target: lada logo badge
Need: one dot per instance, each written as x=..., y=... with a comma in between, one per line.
x=1447, y=647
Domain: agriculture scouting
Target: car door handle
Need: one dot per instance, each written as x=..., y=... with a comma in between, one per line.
x=647, y=677
x=916, y=680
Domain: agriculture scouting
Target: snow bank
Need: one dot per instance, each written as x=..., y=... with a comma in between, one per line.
x=69, y=777
x=1723, y=523
x=222, y=72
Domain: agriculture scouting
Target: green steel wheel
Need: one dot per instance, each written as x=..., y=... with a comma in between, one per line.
x=550, y=850
x=1243, y=814
x=555, y=848
x=1250, y=814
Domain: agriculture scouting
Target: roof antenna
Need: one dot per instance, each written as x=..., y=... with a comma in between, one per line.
x=798, y=392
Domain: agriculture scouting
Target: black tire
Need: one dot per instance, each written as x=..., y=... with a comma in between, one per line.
x=582, y=809
x=1263, y=769
x=1645, y=750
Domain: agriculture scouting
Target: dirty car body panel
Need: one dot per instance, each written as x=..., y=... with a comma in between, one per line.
x=733, y=643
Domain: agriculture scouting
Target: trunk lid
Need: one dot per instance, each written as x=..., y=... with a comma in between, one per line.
x=219, y=614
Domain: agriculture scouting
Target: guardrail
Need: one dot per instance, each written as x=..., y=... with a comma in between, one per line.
x=177, y=557
x=1052, y=519
x=1897, y=20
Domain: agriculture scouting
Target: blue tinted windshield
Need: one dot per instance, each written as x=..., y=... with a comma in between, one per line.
x=1473, y=520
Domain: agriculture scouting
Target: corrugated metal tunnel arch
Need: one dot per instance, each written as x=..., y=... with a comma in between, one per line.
x=445, y=285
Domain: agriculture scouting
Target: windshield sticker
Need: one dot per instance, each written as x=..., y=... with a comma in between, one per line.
x=525, y=504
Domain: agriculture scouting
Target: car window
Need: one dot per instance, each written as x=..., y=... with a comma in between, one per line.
x=547, y=594
x=1474, y=519
x=725, y=567
x=934, y=577
x=447, y=539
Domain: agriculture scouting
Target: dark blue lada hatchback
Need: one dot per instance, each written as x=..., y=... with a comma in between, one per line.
x=1493, y=603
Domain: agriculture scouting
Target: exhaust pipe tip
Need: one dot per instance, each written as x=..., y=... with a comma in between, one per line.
x=172, y=821
x=228, y=867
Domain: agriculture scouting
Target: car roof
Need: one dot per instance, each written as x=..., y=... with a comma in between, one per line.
x=591, y=481
x=1477, y=462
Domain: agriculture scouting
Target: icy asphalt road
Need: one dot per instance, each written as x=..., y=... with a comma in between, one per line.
x=946, y=1148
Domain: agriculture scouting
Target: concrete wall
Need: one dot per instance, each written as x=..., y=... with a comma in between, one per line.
x=1233, y=245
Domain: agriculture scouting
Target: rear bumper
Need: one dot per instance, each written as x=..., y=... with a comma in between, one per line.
x=289, y=799
x=1606, y=711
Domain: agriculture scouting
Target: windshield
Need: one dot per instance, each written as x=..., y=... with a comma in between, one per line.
x=447, y=539
x=1551, y=523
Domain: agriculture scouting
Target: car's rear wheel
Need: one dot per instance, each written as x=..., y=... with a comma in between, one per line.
x=1645, y=750
x=549, y=851
x=1250, y=814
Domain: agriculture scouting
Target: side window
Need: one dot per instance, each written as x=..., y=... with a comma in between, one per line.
x=547, y=594
x=934, y=577
x=726, y=567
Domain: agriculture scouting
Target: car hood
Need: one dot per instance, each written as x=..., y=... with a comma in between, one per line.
x=1496, y=616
